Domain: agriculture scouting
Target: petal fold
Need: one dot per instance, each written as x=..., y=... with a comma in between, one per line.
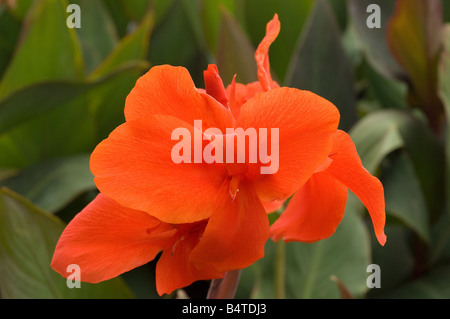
x=106, y=239
x=169, y=90
x=135, y=167
x=236, y=233
x=262, y=53
x=305, y=122
x=314, y=212
x=348, y=169
x=175, y=270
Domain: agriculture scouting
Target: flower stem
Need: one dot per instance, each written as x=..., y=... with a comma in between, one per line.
x=280, y=269
x=224, y=288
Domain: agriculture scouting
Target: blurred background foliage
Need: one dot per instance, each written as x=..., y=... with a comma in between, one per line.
x=62, y=91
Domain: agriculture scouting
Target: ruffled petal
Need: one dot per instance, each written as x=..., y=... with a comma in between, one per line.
x=214, y=85
x=347, y=168
x=106, y=239
x=305, y=123
x=236, y=233
x=175, y=270
x=169, y=90
x=262, y=54
x=135, y=167
x=314, y=212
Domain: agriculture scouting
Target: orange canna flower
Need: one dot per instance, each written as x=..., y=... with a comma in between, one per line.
x=207, y=218
x=317, y=208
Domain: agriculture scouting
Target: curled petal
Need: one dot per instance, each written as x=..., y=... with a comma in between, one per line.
x=348, y=169
x=175, y=270
x=169, y=90
x=106, y=239
x=214, y=85
x=305, y=123
x=262, y=53
x=314, y=212
x=236, y=233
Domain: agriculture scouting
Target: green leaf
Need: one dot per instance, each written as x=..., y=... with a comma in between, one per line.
x=373, y=42
x=310, y=266
x=174, y=42
x=395, y=259
x=414, y=35
x=49, y=50
x=391, y=93
x=408, y=204
x=210, y=15
x=132, y=47
x=61, y=124
x=28, y=237
x=107, y=103
x=235, y=53
x=320, y=63
x=98, y=35
x=379, y=134
x=444, y=93
x=52, y=184
x=7, y=39
x=433, y=285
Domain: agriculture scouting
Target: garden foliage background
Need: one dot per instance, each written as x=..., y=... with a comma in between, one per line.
x=62, y=91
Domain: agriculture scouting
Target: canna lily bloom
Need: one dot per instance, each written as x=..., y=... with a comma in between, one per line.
x=315, y=211
x=317, y=208
x=206, y=218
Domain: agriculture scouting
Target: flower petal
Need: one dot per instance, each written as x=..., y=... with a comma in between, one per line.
x=169, y=90
x=134, y=166
x=236, y=233
x=106, y=239
x=175, y=270
x=262, y=54
x=306, y=123
x=214, y=85
x=347, y=168
x=314, y=212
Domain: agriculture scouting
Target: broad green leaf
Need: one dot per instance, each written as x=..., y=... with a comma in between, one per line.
x=107, y=103
x=9, y=38
x=20, y=8
x=374, y=143
x=136, y=9
x=210, y=14
x=414, y=34
x=21, y=106
x=235, y=53
x=60, y=125
x=408, y=204
x=373, y=42
x=53, y=184
x=28, y=237
x=391, y=93
x=292, y=14
x=442, y=232
x=395, y=258
x=48, y=51
x=386, y=131
x=310, y=266
x=320, y=63
x=174, y=42
x=98, y=34
x=433, y=285
x=132, y=47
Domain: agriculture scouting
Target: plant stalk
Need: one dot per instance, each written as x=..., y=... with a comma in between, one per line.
x=224, y=288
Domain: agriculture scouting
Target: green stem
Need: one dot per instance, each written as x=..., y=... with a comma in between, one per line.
x=224, y=288
x=280, y=270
